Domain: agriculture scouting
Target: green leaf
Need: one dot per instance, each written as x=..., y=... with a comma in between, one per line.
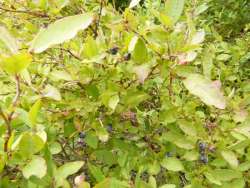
x=105, y=156
x=191, y=155
x=91, y=140
x=168, y=186
x=55, y=148
x=60, y=31
x=244, y=166
x=2, y=161
x=28, y=144
x=61, y=75
x=96, y=172
x=152, y=182
x=112, y=183
x=90, y=48
x=52, y=93
x=8, y=40
x=34, y=111
x=15, y=63
x=212, y=179
x=134, y=97
x=226, y=174
x=113, y=101
x=204, y=88
x=36, y=167
x=187, y=127
x=69, y=168
x=184, y=143
x=230, y=157
x=140, y=52
x=174, y=9
x=172, y=164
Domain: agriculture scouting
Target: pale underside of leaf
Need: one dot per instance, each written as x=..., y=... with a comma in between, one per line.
x=174, y=9
x=204, y=89
x=134, y=3
x=60, y=31
x=8, y=40
x=36, y=167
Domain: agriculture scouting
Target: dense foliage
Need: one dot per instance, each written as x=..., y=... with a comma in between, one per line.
x=116, y=94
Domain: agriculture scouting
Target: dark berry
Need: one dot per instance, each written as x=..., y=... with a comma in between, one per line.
x=109, y=128
x=144, y=176
x=127, y=56
x=169, y=154
x=204, y=159
x=82, y=134
x=133, y=174
x=113, y=50
x=202, y=146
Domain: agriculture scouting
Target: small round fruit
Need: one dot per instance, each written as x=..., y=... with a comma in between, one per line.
x=113, y=50
x=127, y=56
x=202, y=146
x=109, y=128
x=82, y=134
x=204, y=159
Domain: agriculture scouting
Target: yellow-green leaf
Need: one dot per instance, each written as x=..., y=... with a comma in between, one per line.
x=8, y=40
x=36, y=167
x=172, y=164
x=60, y=31
x=204, y=89
x=230, y=157
x=34, y=111
x=69, y=168
x=174, y=9
x=16, y=63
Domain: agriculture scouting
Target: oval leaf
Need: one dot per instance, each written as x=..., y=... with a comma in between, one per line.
x=172, y=164
x=174, y=9
x=52, y=92
x=34, y=111
x=231, y=158
x=16, y=63
x=36, y=167
x=69, y=168
x=8, y=40
x=60, y=31
x=204, y=88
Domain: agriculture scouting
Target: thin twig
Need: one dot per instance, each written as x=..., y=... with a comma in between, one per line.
x=37, y=14
x=170, y=87
x=72, y=54
x=16, y=98
x=98, y=19
x=7, y=122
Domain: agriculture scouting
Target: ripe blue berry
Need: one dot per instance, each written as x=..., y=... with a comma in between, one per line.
x=113, y=50
x=204, y=159
x=202, y=146
x=169, y=154
x=109, y=128
x=82, y=135
x=127, y=56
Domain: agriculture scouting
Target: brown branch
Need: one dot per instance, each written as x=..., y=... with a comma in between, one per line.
x=37, y=14
x=98, y=19
x=72, y=54
x=8, y=118
x=16, y=98
x=170, y=87
x=7, y=122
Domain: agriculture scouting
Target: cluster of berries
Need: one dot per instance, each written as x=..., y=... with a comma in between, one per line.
x=202, y=151
x=114, y=51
